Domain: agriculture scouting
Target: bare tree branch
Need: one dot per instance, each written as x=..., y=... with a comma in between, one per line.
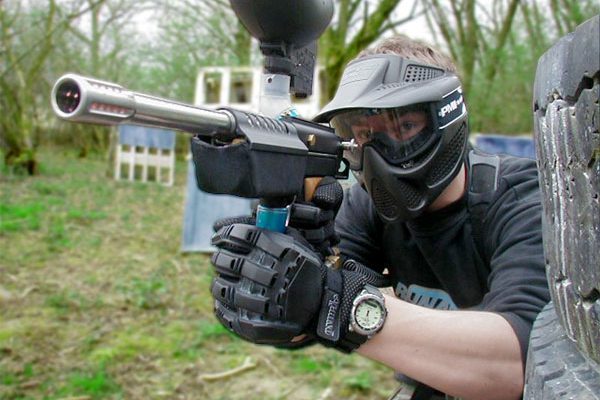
x=502, y=36
x=391, y=25
x=60, y=25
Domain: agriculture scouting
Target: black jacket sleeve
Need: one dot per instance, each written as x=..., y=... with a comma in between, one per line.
x=517, y=283
x=359, y=229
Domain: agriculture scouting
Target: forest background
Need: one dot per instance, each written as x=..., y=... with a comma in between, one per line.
x=97, y=301
x=157, y=47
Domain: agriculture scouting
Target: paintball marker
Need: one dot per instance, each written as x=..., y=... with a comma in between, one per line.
x=236, y=152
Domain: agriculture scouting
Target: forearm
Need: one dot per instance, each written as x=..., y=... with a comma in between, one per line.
x=468, y=354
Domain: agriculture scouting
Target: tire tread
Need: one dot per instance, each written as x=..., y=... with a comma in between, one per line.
x=555, y=369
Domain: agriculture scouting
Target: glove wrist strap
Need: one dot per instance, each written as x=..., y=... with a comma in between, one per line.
x=328, y=327
x=330, y=330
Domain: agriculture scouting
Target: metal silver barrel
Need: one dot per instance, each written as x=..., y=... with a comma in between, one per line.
x=82, y=99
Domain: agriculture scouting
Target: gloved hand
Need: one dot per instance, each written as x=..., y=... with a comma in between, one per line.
x=270, y=288
x=314, y=220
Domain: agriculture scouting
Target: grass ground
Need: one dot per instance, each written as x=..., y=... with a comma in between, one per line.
x=98, y=302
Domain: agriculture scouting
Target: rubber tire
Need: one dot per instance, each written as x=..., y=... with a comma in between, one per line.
x=555, y=369
x=567, y=125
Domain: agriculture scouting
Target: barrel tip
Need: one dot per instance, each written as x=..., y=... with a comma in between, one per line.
x=67, y=95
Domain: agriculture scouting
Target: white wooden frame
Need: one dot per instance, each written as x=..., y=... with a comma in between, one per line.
x=306, y=108
x=129, y=156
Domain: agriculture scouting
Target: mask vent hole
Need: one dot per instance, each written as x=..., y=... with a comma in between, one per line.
x=409, y=194
x=416, y=73
x=446, y=162
x=384, y=201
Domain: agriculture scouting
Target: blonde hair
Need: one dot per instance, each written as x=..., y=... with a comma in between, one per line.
x=413, y=49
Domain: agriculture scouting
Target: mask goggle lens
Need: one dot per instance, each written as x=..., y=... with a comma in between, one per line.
x=398, y=134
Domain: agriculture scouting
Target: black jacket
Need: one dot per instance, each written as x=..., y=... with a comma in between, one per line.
x=435, y=260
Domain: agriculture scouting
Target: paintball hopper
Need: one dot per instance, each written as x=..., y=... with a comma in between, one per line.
x=288, y=32
x=293, y=22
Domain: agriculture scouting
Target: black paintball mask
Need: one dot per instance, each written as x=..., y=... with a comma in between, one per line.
x=408, y=122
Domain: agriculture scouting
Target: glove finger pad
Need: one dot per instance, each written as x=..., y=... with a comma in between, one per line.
x=329, y=194
x=230, y=264
x=223, y=291
x=255, y=329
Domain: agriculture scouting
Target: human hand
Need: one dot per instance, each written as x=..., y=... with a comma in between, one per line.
x=270, y=288
x=315, y=219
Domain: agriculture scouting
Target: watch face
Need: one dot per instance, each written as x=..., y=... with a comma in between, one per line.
x=368, y=314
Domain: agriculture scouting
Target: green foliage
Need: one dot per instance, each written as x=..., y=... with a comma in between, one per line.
x=42, y=40
x=57, y=237
x=212, y=330
x=128, y=344
x=85, y=217
x=69, y=301
x=353, y=29
x=118, y=312
x=496, y=47
x=16, y=217
x=503, y=105
x=309, y=365
x=8, y=378
x=96, y=383
x=362, y=381
x=26, y=42
x=48, y=189
x=147, y=293
x=208, y=332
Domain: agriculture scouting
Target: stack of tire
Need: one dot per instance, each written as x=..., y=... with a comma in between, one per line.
x=564, y=353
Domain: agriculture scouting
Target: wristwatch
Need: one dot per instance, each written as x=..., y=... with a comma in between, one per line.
x=368, y=312
x=366, y=319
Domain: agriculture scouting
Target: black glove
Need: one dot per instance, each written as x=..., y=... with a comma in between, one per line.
x=270, y=288
x=314, y=220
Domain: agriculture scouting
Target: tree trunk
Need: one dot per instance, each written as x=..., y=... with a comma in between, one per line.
x=337, y=47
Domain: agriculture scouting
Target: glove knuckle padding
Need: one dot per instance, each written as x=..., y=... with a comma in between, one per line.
x=224, y=239
x=243, y=219
x=270, y=293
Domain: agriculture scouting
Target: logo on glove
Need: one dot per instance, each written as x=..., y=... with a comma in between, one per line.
x=332, y=309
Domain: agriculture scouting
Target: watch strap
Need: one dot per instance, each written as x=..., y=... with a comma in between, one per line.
x=351, y=341
x=373, y=290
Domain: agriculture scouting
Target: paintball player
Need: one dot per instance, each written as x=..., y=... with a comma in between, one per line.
x=458, y=232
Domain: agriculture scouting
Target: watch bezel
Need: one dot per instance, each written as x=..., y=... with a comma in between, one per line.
x=361, y=298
